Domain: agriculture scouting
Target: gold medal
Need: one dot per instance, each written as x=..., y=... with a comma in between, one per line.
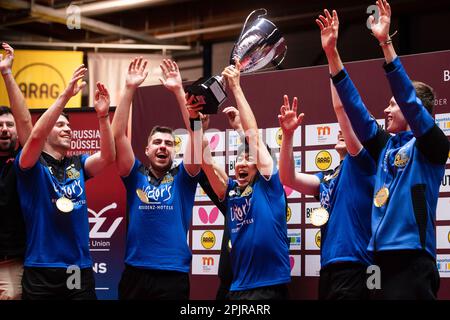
x=142, y=195
x=381, y=197
x=64, y=205
x=319, y=217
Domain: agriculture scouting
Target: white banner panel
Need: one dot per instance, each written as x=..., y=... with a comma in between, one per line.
x=312, y=265
x=275, y=135
x=443, y=237
x=216, y=140
x=296, y=265
x=206, y=239
x=321, y=160
x=443, y=122
x=312, y=239
x=443, y=265
x=294, y=215
x=443, y=209
x=207, y=216
x=205, y=264
x=321, y=134
x=295, y=239
x=445, y=183
x=309, y=207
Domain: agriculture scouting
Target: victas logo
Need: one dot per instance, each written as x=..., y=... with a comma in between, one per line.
x=99, y=221
x=208, y=239
x=323, y=160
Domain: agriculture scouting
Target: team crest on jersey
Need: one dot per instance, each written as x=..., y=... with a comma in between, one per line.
x=168, y=178
x=248, y=191
x=72, y=173
x=401, y=158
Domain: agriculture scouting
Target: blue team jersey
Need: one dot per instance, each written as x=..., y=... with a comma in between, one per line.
x=258, y=232
x=413, y=184
x=54, y=239
x=346, y=194
x=158, y=224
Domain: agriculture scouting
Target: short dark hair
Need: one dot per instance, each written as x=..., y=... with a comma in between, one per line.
x=5, y=110
x=161, y=129
x=64, y=114
x=244, y=148
x=426, y=94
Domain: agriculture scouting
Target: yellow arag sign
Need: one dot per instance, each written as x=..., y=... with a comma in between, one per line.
x=42, y=76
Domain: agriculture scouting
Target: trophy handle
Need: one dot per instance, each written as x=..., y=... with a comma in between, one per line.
x=245, y=24
x=248, y=17
x=282, y=59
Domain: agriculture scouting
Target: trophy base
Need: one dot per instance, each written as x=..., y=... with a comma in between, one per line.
x=210, y=92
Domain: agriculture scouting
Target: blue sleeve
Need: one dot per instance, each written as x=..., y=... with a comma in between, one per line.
x=362, y=122
x=273, y=184
x=131, y=177
x=83, y=159
x=25, y=172
x=419, y=119
x=363, y=162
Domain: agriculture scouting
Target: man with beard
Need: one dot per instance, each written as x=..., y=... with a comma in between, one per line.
x=15, y=124
x=160, y=198
x=53, y=200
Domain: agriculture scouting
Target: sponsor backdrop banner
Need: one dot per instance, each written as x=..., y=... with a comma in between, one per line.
x=313, y=148
x=313, y=151
x=43, y=75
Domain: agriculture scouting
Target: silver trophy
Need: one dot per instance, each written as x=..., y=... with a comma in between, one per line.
x=260, y=44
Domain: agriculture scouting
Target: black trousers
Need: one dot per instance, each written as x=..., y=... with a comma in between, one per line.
x=276, y=292
x=51, y=284
x=343, y=281
x=145, y=284
x=406, y=275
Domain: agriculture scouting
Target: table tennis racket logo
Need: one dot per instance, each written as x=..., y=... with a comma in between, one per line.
x=210, y=217
x=214, y=142
x=292, y=262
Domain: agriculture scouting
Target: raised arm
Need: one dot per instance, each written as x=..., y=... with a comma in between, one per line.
x=124, y=152
x=418, y=118
x=431, y=141
x=264, y=161
x=35, y=143
x=351, y=140
x=289, y=122
x=362, y=122
x=17, y=102
x=172, y=81
x=100, y=160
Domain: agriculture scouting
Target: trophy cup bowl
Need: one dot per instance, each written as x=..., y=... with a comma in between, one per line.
x=259, y=44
